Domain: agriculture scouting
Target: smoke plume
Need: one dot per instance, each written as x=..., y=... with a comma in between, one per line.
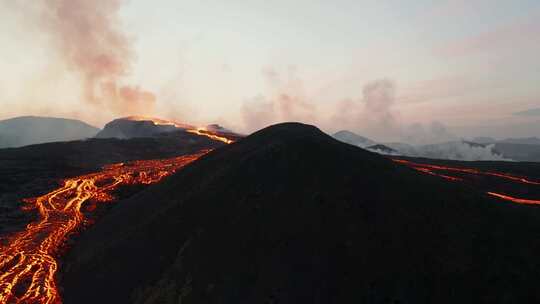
x=372, y=114
x=458, y=150
x=379, y=96
x=286, y=102
x=89, y=38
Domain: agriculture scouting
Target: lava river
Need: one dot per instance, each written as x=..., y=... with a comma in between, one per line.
x=28, y=261
x=465, y=175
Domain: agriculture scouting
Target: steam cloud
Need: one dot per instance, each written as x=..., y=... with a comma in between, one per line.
x=373, y=113
x=457, y=150
x=286, y=103
x=379, y=96
x=88, y=36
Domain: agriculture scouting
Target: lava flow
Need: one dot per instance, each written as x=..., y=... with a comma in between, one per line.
x=28, y=262
x=214, y=136
x=435, y=169
x=201, y=131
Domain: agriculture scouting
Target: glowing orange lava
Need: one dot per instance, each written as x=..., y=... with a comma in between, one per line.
x=160, y=122
x=28, y=262
x=204, y=132
x=431, y=169
x=515, y=200
x=201, y=131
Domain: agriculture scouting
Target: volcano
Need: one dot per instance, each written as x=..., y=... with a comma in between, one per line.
x=138, y=126
x=291, y=215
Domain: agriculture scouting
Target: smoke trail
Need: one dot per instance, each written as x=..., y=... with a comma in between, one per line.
x=89, y=37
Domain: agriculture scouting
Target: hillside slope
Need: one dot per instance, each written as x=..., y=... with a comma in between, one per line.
x=290, y=215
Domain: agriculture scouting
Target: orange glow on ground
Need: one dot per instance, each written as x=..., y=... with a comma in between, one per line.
x=28, y=263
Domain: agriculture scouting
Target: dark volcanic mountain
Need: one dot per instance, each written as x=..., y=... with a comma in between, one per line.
x=132, y=127
x=290, y=215
x=28, y=130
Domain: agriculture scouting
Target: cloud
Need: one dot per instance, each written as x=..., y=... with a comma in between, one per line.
x=286, y=102
x=419, y=134
x=522, y=33
x=378, y=97
x=372, y=114
x=530, y=112
x=444, y=88
x=258, y=113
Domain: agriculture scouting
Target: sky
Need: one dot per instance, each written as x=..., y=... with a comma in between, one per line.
x=391, y=70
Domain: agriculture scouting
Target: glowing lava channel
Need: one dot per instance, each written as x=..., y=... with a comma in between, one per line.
x=28, y=262
x=201, y=131
x=514, y=199
x=430, y=169
x=204, y=132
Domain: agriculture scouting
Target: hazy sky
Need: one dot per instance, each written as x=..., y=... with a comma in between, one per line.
x=380, y=68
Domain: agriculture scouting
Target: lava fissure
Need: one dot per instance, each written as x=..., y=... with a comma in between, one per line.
x=28, y=262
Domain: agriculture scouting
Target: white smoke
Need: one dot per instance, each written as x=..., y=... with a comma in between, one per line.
x=456, y=150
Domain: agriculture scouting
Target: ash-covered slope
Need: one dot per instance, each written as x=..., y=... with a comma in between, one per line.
x=28, y=130
x=290, y=215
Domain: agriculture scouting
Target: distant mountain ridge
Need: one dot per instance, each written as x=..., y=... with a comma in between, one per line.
x=477, y=149
x=28, y=130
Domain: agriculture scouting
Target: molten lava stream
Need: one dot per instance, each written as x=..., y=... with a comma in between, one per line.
x=28, y=262
x=431, y=170
x=204, y=132
x=514, y=199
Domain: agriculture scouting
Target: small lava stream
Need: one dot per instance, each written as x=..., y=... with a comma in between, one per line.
x=28, y=262
x=436, y=169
